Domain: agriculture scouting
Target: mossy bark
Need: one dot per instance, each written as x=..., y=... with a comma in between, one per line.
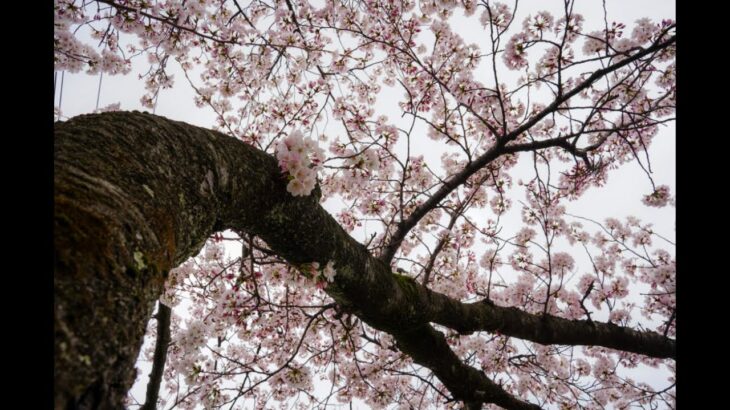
x=117, y=227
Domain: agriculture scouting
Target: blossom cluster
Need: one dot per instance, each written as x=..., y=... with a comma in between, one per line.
x=300, y=158
x=320, y=276
x=659, y=198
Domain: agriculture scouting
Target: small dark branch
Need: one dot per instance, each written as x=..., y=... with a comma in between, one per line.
x=669, y=322
x=449, y=185
x=499, y=149
x=158, y=363
x=432, y=260
x=168, y=21
x=582, y=301
x=440, y=245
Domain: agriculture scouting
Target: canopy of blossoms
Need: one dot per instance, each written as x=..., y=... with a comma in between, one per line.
x=522, y=117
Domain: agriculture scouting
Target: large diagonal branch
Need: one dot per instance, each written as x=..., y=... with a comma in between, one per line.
x=137, y=194
x=428, y=347
x=544, y=329
x=499, y=149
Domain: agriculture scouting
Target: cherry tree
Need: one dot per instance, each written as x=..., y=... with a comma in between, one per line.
x=308, y=251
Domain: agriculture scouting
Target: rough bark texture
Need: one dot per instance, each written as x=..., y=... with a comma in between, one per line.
x=118, y=227
x=137, y=194
x=544, y=329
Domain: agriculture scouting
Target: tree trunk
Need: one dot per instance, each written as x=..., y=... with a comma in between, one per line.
x=137, y=194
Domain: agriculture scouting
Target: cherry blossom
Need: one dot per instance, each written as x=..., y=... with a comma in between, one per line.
x=529, y=116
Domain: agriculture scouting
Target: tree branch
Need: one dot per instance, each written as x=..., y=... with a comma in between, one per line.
x=155, y=189
x=428, y=347
x=543, y=329
x=160, y=357
x=498, y=149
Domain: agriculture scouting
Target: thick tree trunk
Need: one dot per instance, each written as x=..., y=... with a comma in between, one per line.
x=137, y=194
x=105, y=279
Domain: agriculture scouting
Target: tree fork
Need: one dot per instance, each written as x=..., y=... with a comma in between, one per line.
x=137, y=194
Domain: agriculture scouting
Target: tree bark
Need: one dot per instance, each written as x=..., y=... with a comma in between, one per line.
x=137, y=194
x=118, y=228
